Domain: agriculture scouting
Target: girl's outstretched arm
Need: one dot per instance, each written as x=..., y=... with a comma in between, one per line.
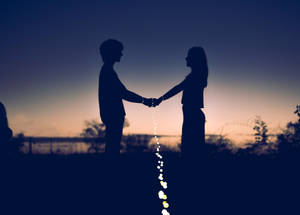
x=172, y=92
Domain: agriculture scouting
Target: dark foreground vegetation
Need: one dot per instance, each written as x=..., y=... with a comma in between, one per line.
x=261, y=179
x=91, y=184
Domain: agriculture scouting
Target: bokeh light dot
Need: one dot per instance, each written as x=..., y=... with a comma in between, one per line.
x=165, y=212
x=165, y=204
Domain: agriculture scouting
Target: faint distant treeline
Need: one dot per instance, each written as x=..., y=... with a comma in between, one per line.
x=287, y=143
x=59, y=139
x=130, y=143
x=51, y=145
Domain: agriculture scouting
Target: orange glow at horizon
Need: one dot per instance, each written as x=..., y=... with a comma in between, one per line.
x=228, y=112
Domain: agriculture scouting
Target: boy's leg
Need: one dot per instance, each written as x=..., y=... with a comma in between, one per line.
x=112, y=186
x=113, y=136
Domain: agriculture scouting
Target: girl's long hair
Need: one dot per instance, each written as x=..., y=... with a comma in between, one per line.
x=3, y=117
x=198, y=53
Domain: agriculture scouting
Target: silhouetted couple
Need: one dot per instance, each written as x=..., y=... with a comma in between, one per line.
x=112, y=92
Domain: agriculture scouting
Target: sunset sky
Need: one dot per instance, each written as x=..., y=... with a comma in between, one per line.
x=49, y=62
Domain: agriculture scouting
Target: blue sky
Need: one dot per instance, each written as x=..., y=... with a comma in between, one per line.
x=49, y=61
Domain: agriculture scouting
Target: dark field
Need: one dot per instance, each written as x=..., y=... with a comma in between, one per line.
x=92, y=184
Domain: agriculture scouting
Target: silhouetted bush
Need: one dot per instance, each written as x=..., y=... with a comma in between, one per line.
x=15, y=144
x=165, y=147
x=260, y=128
x=92, y=132
x=136, y=143
x=289, y=140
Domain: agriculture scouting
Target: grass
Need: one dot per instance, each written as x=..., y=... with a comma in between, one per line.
x=92, y=184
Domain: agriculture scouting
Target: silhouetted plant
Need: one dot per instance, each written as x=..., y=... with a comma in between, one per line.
x=261, y=145
x=94, y=132
x=15, y=144
x=289, y=140
x=137, y=143
x=260, y=128
x=219, y=140
x=93, y=129
x=219, y=147
x=165, y=147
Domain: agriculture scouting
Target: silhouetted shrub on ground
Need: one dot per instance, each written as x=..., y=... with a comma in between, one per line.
x=91, y=133
x=289, y=140
x=261, y=130
x=261, y=147
x=165, y=148
x=219, y=147
x=94, y=132
x=287, y=144
x=15, y=144
x=136, y=143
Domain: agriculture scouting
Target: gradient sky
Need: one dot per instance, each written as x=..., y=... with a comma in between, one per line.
x=49, y=61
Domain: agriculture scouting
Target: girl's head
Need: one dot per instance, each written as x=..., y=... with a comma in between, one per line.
x=196, y=59
x=3, y=117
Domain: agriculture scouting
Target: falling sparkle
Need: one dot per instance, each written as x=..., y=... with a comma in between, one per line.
x=165, y=204
x=165, y=212
x=163, y=183
x=160, y=177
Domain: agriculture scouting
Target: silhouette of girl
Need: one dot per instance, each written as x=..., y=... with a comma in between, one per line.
x=5, y=131
x=193, y=128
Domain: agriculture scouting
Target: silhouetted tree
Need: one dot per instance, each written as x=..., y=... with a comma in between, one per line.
x=93, y=129
x=261, y=145
x=260, y=128
x=289, y=140
x=94, y=132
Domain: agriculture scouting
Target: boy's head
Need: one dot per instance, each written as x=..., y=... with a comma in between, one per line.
x=111, y=51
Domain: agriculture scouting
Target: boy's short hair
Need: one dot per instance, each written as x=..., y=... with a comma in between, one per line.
x=109, y=47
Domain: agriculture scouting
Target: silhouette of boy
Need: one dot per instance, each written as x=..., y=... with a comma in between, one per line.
x=111, y=93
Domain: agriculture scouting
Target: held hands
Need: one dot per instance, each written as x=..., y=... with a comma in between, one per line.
x=152, y=102
x=156, y=102
x=147, y=101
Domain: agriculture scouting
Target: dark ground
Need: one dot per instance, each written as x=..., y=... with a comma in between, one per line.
x=90, y=184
